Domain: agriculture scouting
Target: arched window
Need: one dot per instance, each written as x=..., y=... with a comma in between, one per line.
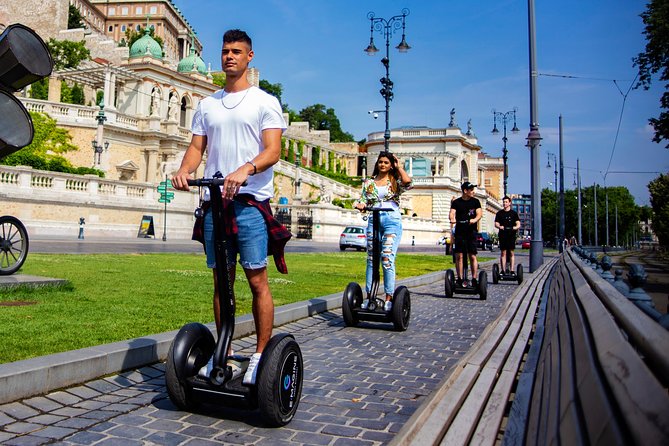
x=464, y=172
x=182, y=114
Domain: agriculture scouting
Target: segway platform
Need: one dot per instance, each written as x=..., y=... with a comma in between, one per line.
x=451, y=286
x=507, y=275
x=352, y=299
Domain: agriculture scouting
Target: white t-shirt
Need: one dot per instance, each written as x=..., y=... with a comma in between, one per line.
x=382, y=203
x=233, y=124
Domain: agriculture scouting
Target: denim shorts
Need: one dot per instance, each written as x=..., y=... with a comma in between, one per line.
x=250, y=242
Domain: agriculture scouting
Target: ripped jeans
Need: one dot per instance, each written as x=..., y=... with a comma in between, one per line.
x=391, y=233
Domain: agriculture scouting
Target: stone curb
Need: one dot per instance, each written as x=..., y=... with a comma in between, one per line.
x=41, y=375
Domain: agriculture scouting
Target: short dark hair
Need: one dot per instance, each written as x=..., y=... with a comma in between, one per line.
x=237, y=35
x=506, y=197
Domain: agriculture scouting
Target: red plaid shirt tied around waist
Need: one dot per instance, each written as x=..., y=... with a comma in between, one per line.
x=277, y=233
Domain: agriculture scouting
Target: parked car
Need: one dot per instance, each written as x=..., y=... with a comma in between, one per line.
x=525, y=244
x=483, y=241
x=353, y=237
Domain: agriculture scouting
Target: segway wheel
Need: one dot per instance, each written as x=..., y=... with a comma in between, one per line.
x=495, y=273
x=483, y=285
x=519, y=274
x=191, y=349
x=401, y=308
x=280, y=380
x=13, y=245
x=352, y=299
x=449, y=283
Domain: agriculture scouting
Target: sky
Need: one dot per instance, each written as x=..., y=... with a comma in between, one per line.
x=470, y=55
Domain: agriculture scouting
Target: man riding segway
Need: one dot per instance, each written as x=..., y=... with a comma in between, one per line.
x=508, y=223
x=464, y=215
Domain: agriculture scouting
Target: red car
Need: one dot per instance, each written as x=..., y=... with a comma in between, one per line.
x=525, y=244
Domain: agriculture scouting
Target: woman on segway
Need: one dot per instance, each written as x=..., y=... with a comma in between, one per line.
x=383, y=190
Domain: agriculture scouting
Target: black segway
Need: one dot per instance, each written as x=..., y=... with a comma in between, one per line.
x=352, y=300
x=507, y=274
x=451, y=284
x=279, y=378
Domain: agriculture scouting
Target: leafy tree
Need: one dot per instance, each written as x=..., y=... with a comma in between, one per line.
x=218, y=79
x=659, y=202
x=74, y=18
x=67, y=54
x=620, y=197
x=77, y=94
x=655, y=59
x=321, y=118
x=40, y=89
x=65, y=93
x=44, y=153
x=275, y=90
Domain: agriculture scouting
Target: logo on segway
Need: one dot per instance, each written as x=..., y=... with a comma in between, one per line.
x=290, y=380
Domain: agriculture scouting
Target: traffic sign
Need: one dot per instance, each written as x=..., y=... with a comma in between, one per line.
x=163, y=200
x=168, y=195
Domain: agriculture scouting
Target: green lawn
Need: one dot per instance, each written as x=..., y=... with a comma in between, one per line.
x=112, y=297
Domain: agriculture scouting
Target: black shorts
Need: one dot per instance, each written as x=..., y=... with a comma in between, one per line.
x=507, y=242
x=467, y=240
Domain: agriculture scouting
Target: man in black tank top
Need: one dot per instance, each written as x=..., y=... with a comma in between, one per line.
x=464, y=215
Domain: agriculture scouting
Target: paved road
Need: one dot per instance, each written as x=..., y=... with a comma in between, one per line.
x=140, y=245
x=361, y=385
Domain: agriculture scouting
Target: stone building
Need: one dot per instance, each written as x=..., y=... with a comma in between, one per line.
x=439, y=160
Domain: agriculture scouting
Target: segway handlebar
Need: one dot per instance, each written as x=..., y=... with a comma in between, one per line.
x=204, y=182
x=371, y=208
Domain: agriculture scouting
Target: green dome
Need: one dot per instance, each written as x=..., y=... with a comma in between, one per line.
x=192, y=62
x=144, y=44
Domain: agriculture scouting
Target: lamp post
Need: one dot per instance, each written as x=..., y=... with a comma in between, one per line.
x=386, y=28
x=504, y=117
x=548, y=166
x=533, y=139
x=97, y=143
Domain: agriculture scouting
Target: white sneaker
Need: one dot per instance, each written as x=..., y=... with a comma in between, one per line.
x=252, y=370
x=388, y=305
x=205, y=371
x=364, y=305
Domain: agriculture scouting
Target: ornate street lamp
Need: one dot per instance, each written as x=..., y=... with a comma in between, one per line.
x=551, y=155
x=386, y=28
x=504, y=117
x=97, y=144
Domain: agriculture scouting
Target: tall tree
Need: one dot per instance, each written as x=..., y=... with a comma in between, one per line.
x=321, y=118
x=74, y=18
x=67, y=54
x=659, y=201
x=275, y=90
x=655, y=59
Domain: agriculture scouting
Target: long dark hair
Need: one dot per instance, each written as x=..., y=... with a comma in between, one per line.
x=393, y=173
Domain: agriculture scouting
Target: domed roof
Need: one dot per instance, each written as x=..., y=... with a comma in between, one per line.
x=145, y=44
x=192, y=62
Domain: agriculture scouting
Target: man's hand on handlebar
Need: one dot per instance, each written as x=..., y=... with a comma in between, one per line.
x=180, y=180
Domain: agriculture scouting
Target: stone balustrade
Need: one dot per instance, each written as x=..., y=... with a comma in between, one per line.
x=51, y=203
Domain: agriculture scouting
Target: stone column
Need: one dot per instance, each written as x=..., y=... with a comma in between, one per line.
x=54, y=88
x=151, y=164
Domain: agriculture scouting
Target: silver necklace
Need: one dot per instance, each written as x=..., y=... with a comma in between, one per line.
x=237, y=104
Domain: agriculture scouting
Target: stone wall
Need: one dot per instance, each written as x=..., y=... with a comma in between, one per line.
x=45, y=17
